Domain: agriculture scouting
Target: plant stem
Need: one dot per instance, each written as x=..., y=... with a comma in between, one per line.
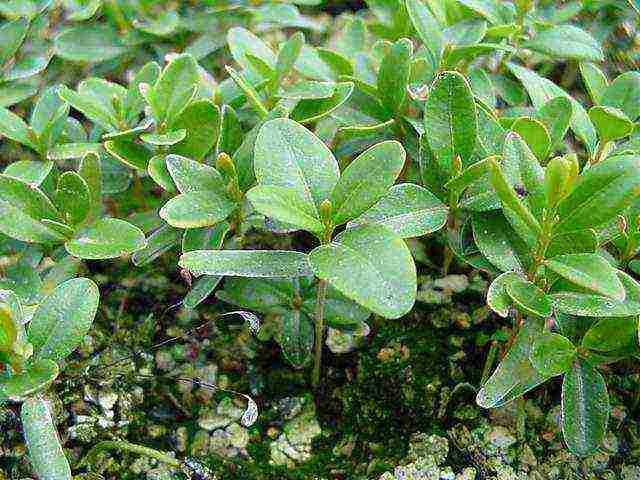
x=319, y=337
x=133, y=448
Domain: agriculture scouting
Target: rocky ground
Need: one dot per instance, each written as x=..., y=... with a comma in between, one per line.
x=397, y=399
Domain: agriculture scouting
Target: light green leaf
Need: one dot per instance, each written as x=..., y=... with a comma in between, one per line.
x=552, y=354
x=107, y=238
x=602, y=192
x=450, y=119
x=192, y=176
x=91, y=107
x=45, y=452
x=131, y=154
x=280, y=203
x=160, y=241
x=196, y=209
x=556, y=117
x=90, y=44
x=408, y=210
x=593, y=305
x=489, y=9
x=366, y=180
x=428, y=29
x=594, y=80
x=307, y=111
x=29, y=171
x=566, y=41
x=201, y=119
x=624, y=94
x=174, y=89
x=308, y=90
x=610, y=123
x=497, y=298
x=379, y=259
x=34, y=378
x=541, y=90
x=589, y=270
x=14, y=128
x=164, y=139
x=288, y=155
x=247, y=263
x=535, y=134
x=22, y=208
x=499, y=243
x=585, y=409
x=12, y=34
x=241, y=42
x=63, y=318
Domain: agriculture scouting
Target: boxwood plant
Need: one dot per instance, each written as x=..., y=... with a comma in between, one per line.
x=298, y=164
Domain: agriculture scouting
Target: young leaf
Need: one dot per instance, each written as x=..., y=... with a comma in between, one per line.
x=450, y=119
x=380, y=260
x=288, y=155
x=393, y=76
x=45, y=452
x=174, y=89
x=428, y=29
x=556, y=116
x=408, y=210
x=241, y=41
x=589, y=270
x=552, y=354
x=497, y=298
x=566, y=41
x=35, y=377
x=515, y=375
x=63, y=318
x=585, y=409
x=246, y=263
x=107, y=238
x=287, y=56
x=366, y=180
x=529, y=298
x=194, y=209
x=610, y=123
x=489, y=9
x=594, y=80
x=535, y=134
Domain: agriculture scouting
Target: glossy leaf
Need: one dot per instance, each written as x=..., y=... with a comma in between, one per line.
x=382, y=262
x=610, y=123
x=393, y=75
x=552, y=354
x=588, y=270
x=498, y=299
x=107, y=238
x=246, y=263
x=195, y=209
x=529, y=298
x=566, y=41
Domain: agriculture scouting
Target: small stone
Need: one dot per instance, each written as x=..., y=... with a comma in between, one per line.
x=501, y=438
x=345, y=341
x=452, y=283
x=200, y=443
x=468, y=473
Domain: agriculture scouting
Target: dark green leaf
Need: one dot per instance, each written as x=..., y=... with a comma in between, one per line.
x=552, y=354
x=247, y=263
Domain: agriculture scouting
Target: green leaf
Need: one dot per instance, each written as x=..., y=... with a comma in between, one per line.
x=12, y=34
x=295, y=336
x=72, y=198
x=624, y=94
x=529, y=298
x=65, y=151
x=366, y=180
x=22, y=207
x=34, y=378
x=393, y=75
x=515, y=375
x=594, y=80
x=247, y=263
x=541, y=90
x=164, y=139
x=489, y=9
x=428, y=29
x=408, y=210
x=157, y=170
x=45, y=452
x=174, y=89
x=552, y=354
x=612, y=334
x=230, y=131
x=287, y=56
x=201, y=119
x=241, y=42
x=63, y=318
x=29, y=171
x=107, y=238
x=196, y=209
x=585, y=409
x=90, y=170
x=134, y=102
x=610, y=123
x=556, y=117
x=589, y=270
x=450, y=119
x=205, y=238
x=14, y=128
x=499, y=243
x=379, y=259
x=593, y=305
x=307, y=111
x=92, y=108
x=49, y=117
x=131, y=154
x=535, y=134
x=280, y=203
x=566, y=41
x=308, y=90
x=192, y=176
x=288, y=155
x=201, y=289
x=580, y=241
x=90, y=44
x=497, y=298
x=602, y=192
